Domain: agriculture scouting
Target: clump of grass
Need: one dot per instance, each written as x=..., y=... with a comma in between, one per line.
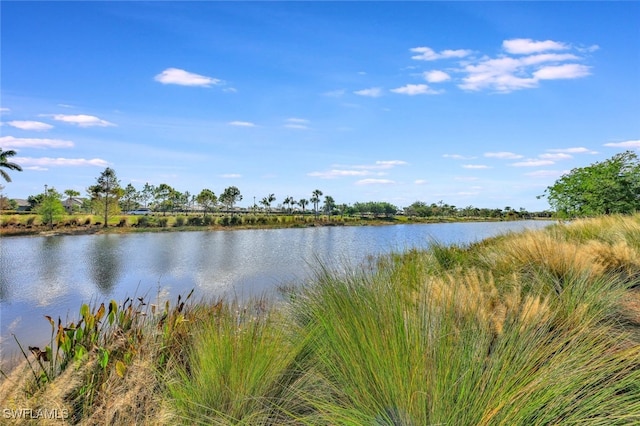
x=237, y=370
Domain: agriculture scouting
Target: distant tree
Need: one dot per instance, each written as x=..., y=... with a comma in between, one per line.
x=163, y=195
x=71, y=194
x=106, y=192
x=147, y=194
x=266, y=202
x=289, y=202
x=208, y=200
x=315, y=199
x=4, y=163
x=329, y=204
x=230, y=197
x=51, y=209
x=607, y=187
x=303, y=203
x=130, y=197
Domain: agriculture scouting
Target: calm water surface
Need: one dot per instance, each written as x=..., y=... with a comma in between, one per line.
x=55, y=275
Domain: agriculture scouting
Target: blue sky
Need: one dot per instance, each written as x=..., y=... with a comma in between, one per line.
x=479, y=103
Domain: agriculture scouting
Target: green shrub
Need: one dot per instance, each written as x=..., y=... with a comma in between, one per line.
x=195, y=221
x=180, y=221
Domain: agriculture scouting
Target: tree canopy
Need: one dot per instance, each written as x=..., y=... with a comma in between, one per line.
x=608, y=187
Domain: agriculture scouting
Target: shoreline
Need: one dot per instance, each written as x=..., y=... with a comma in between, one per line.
x=45, y=231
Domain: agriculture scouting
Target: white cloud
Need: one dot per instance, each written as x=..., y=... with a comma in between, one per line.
x=37, y=126
x=436, y=76
x=297, y=120
x=532, y=163
x=385, y=164
x=458, y=157
x=420, y=181
x=503, y=155
x=358, y=170
x=556, y=156
x=231, y=175
x=565, y=71
x=185, y=78
x=81, y=120
x=475, y=166
x=336, y=173
x=296, y=123
x=575, y=150
x=626, y=144
x=428, y=54
x=13, y=142
x=525, y=46
x=375, y=182
x=241, y=123
x=373, y=92
x=415, y=89
x=545, y=174
x=60, y=162
x=3, y=110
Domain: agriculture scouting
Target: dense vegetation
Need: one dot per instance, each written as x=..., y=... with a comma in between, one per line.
x=539, y=327
x=608, y=187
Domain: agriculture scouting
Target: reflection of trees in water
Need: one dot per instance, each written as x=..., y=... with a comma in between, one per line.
x=104, y=258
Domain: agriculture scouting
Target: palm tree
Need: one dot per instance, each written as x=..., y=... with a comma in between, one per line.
x=6, y=164
x=303, y=203
x=266, y=202
x=315, y=199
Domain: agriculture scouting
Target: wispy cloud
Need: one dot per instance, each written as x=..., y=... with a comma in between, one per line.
x=242, y=124
x=428, y=54
x=13, y=142
x=415, y=89
x=533, y=163
x=503, y=155
x=626, y=144
x=436, y=76
x=475, y=166
x=296, y=123
x=37, y=126
x=574, y=150
x=339, y=171
x=458, y=157
x=185, y=78
x=520, y=46
x=372, y=92
x=60, y=162
x=80, y=120
x=545, y=173
x=231, y=175
x=3, y=110
x=558, y=72
x=523, y=64
x=420, y=182
x=375, y=182
x=556, y=156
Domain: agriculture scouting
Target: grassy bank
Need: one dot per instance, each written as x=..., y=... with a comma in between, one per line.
x=31, y=224
x=539, y=327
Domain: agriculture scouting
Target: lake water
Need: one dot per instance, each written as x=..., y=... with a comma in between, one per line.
x=55, y=275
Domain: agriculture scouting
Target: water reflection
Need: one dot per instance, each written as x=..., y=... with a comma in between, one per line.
x=104, y=258
x=55, y=275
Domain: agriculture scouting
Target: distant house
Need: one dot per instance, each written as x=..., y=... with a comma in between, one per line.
x=23, y=205
x=72, y=204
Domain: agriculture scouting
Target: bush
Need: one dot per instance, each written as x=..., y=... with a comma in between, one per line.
x=180, y=221
x=208, y=220
x=195, y=221
x=163, y=222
